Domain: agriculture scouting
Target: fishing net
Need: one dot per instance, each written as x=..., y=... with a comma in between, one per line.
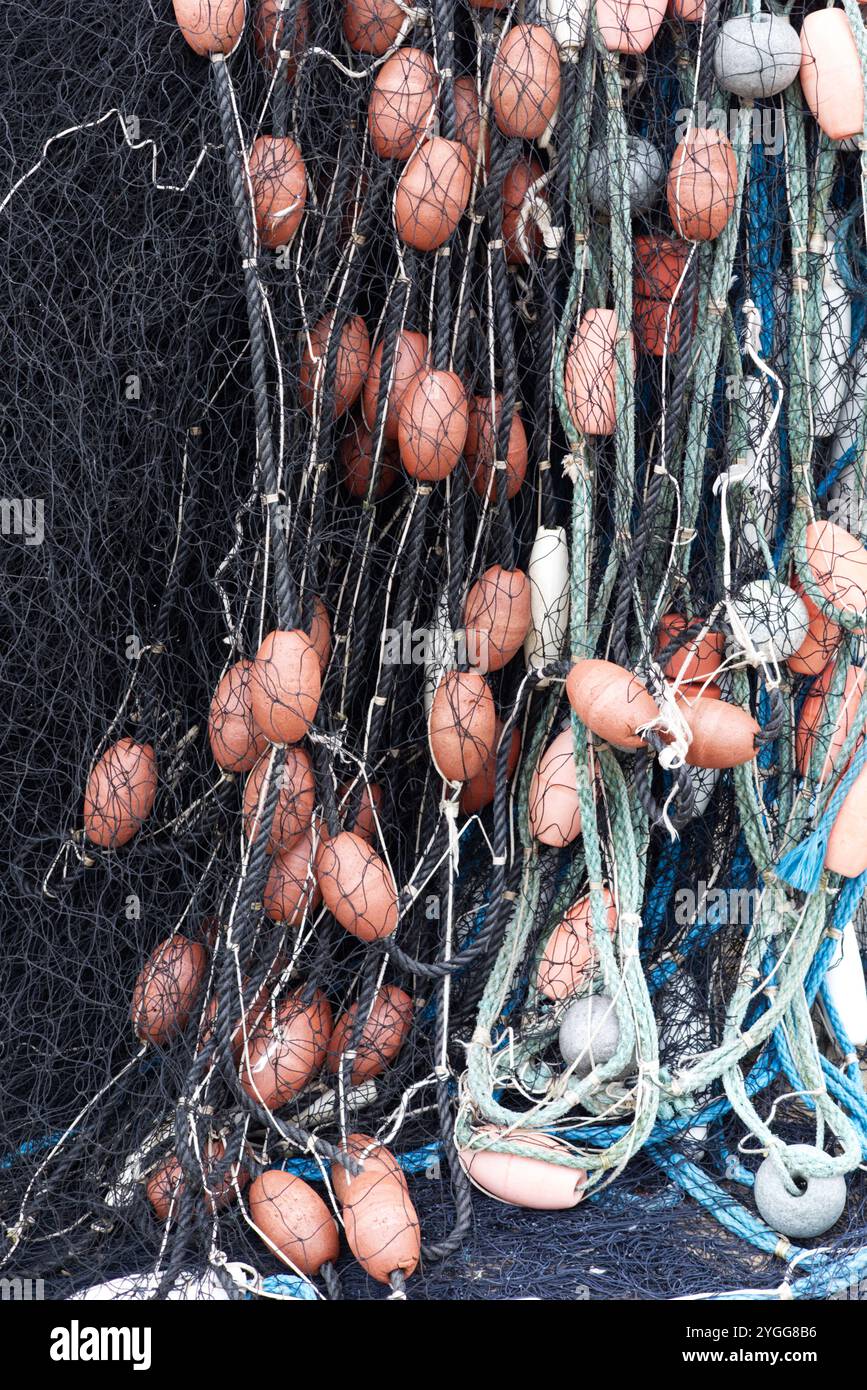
x=432, y=649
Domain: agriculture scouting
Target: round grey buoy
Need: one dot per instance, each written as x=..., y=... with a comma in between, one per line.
x=757, y=55
x=775, y=618
x=589, y=1031
x=646, y=175
x=812, y=1212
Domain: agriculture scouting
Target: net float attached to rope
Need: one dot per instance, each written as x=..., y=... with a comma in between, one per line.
x=611, y=701
x=235, y=741
x=568, y=961
x=276, y=33
x=629, y=26
x=294, y=1221
x=320, y=633
x=167, y=990
x=773, y=617
x=645, y=175
x=279, y=179
x=525, y=82
x=291, y=890
x=375, y=1159
x=372, y=26
x=757, y=55
x=210, y=26
x=432, y=193
x=723, y=735
x=590, y=1035
x=591, y=373
x=480, y=449
x=295, y=801
x=496, y=618
x=356, y=463
x=812, y=724
x=286, y=1049
x=813, y=1209
x=554, y=808
x=357, y=886
x=410, y=359
x=432, y=422
x=462, y=725
x=402, y=103
x=831, y=77
x=548, y=573
x=838, y=563
x=520, y=1180
x=120, y=793
x=468, y=121
x=821, y=642
x=696, y=659
x=702, y=184
x=382, y=1036
x=353, y=361
x=285, y=685
x=382, y=1227
x=568, y=21
x=478, y=792
x=166, y=1186
x=516, y=186
x=688, y=11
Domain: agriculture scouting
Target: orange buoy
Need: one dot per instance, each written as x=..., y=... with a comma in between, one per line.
x=432, y=193
x=295, y=800
x=610, y=701
x=838, y=563
x=690, y=11
x=285, y=685
x=822, y=639
x=516, y=185
x=496, y=618
x=402, y=103
x=659, y=265
x=812, y=719
x=353, y=361
x=462, y=725
x=374, y=1157
x=381, y=1225
x=554, y=809
x=521, y=1180
x=480, y=449
x=210, y=26
x=120, y=793
x=410, y=356
x=478, y=792
x=591, y=373
x=279, y=179
x=831, y=77
x=847, y=844
x=702, y=184
x=723, y=735
x=382, y=1037
x=357, y=886
x=291, y=890
x=165, y=1186
x=629, y=26
x=525, y=82
x=167, y=989
x=235, y=741
x=468, y=122
x=369, y=807
x=372, y=26
x=291, y=38
x=697, y=659
x=320, y=633
x=356, y=463
x=432, y=421
x=656, y=325
x=569, y=958
x=293, y=1221
x=286, y=1049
